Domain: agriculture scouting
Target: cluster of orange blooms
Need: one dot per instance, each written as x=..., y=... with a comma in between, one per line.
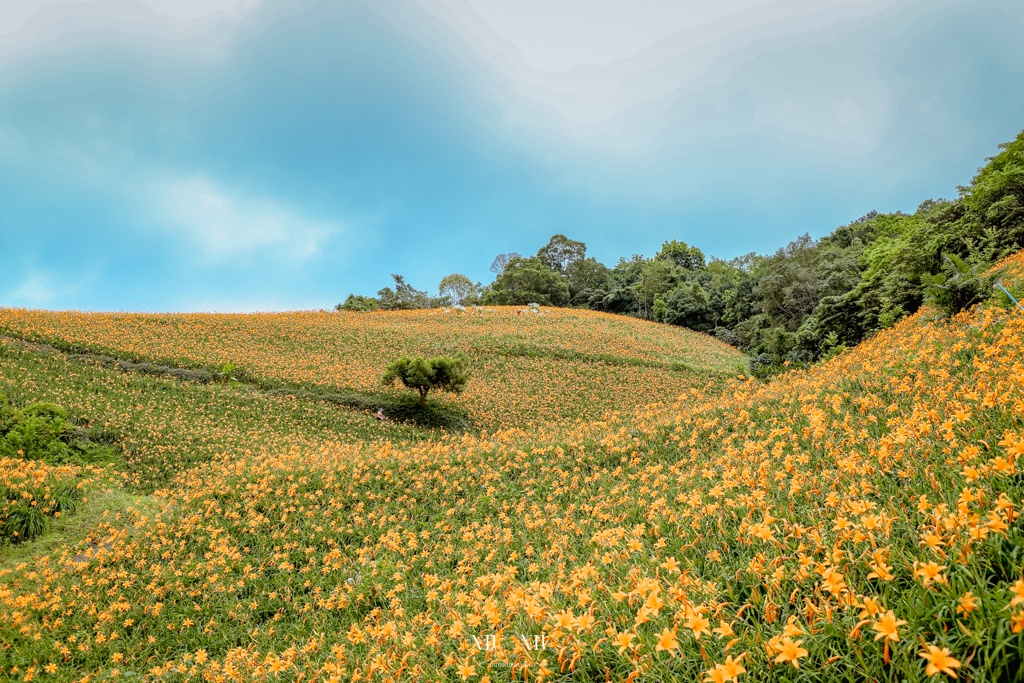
x=860, y=519
x=35, y=485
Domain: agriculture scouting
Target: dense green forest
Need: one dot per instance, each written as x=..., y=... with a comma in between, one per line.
x=806, y=301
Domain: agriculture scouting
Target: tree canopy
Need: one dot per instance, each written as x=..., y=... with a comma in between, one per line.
x=561, y=252
x=458, y=290
x=446, y=373
x=403, y=297
x=682, y=255
x=356, y=302
x=527, y=280
x=501, y=260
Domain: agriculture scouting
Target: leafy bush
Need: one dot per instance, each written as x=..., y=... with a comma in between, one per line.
x=227, y=373
x=830, y=347
x=724, y=334
x=958, y=286
x=763, y=365
x=362, y=304
x=42, y=431
x=38, y=431
x=444, y=372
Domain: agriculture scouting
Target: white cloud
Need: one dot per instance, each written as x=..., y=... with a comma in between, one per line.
x=563, y=35
x=19, y=15
x=228, y=226
x=38, y=289
x=618, y=76
x=191, y=10
x=191, y=29
x=848, y=111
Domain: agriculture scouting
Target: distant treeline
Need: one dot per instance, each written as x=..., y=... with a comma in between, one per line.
x=799, y=304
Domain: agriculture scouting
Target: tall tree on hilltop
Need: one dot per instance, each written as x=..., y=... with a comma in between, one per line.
x=789, y=283
x=561, y=252
x=682, y=254
x=403, y=297
x=501, y=260
x=458, y=289
x=527, y=280
x=588, y=282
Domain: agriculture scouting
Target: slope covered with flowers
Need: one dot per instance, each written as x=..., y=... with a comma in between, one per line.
x=528, y=369
x=856, y=521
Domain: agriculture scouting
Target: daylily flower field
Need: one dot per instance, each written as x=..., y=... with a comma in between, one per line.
x=531, y=369
x=624, y=506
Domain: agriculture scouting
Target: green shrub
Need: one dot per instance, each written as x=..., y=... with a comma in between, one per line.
x=41, y=431
x=958, y=286
x=227, y=373
x=362, y=304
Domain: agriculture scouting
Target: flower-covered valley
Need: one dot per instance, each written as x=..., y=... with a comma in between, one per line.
x=859, y=520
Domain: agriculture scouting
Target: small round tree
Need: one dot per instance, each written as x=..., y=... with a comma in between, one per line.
x=422, y=374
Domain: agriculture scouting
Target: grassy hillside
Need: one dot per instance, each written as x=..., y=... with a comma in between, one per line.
x=166, y=426
x=834, y=524
x=528, y=369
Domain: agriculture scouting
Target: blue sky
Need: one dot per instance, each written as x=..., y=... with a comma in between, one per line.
x=221, y=155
